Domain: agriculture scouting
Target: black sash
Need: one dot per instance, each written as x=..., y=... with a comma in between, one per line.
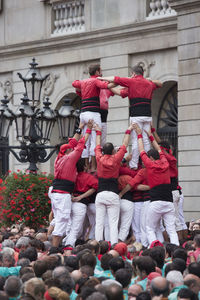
x=139, y=107
x=108, y=184
x=63, y=185
x=174, y=183
x=90, y=104
x=104, y=115
x=161, y=192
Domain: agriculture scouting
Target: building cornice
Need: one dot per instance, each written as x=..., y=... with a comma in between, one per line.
x=181, y=5
x=94, y=37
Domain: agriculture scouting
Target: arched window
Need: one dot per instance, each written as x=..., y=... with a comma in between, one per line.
x=167, y=124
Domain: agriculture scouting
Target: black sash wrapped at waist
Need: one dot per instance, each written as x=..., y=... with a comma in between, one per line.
x=88, y=200
x=174, y=183
x=63, y=185
x=90, y=104
x=140, y=107
x=128, y=196
x=141, y=196
x=108, y=184
x=104, y=115
x=162, y=192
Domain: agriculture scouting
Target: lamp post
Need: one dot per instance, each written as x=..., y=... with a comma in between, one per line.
x=34, y=125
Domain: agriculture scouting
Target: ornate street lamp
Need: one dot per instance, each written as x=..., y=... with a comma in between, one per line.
x=34, y=125
x=67, y=118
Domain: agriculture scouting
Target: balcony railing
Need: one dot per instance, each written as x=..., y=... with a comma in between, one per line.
x=69, y=17
x=160, y=9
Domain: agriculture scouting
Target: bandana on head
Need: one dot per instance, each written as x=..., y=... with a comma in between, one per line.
x=121, y=248
x=153, y=275
x=71, y=145
x=47, y=296
x=156, y=243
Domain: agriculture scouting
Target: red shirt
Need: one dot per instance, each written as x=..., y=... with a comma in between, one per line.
x=90, y=87
x=65, y=166
x=157, y=170
x=105, y=94
x=139, y=178
x=138, y=86
x=124, y=170
x=108, y=165
x=85, y=182
x=173, y=170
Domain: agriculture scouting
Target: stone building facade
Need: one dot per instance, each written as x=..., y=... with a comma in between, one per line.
x=66, y=36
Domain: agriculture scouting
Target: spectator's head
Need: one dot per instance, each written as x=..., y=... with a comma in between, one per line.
x=12, y=286
x=8, y=243
x=60, y=272
x=193, y=283
x=105, y=259
x=30, y=253
x=114, y=292
x=186, y=294
x=134, y=290
x=27, y=276
x=41, y=236
x=23, y=262
x=76, y=275
x=196, y=226
x=108, y=149
x=8, y=260
x=144, y=296
x=56, y=294
x=170, y=248
x=116, y=263
x=72, y=262
x=179, y=264
x=104, y=247
x=95, y=70
x=97, y=296
x=80, y=165
x=194, y=268
x=3, y=296
x=145, y=265
x=2, y=282
x=88, y=259
x=87, y=271
x=159, y=286
x=197, y=241
x=22, y=243
x=40, y=267
x=153, y=154
x=8, y=251
x=25, y=270
x=158, y=255
x=180, y=253
x=121, y=248
x=94, y=246
x=86, y=292
x=114, y=253
x=175, y=279
x=137, y=70
x=123, y=276
x=35, y=287
x=37, y=244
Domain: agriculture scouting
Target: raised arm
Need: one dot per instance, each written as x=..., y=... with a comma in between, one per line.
x=127, y=135
x=89, y=129
x=98, y=134
x=108, y=78
x=153, y=141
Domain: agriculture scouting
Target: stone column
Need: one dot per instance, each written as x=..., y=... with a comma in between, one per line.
x=188, y=38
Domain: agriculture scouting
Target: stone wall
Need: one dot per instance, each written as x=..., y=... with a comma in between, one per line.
x=188, y=36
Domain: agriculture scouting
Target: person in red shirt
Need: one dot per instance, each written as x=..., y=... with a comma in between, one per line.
x=85, y=187
x=89, y=89
x=139, y=91
x=107, y=199
x=105, y=94
x=63, y=183
x=158, y=178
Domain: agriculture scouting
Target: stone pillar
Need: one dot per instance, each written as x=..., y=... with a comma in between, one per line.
x=188, y=38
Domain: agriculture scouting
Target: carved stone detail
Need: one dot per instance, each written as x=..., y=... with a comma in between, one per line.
x=7, y=88
x=48, y=85
x=146, y=66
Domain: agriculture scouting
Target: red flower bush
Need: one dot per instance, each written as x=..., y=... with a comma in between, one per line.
x=24, y=199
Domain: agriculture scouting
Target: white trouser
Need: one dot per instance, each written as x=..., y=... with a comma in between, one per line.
x=107, y=201
x=91, y=213
x=77, y=219
x=176, y=198
x=181, y=215
x=143, y=224
x=145, y=124
x=91, y=142
x=106, y=229
x=103, y=133
x=61, y=206
x=136, y=220
x=126, y=216
x=157, y=210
